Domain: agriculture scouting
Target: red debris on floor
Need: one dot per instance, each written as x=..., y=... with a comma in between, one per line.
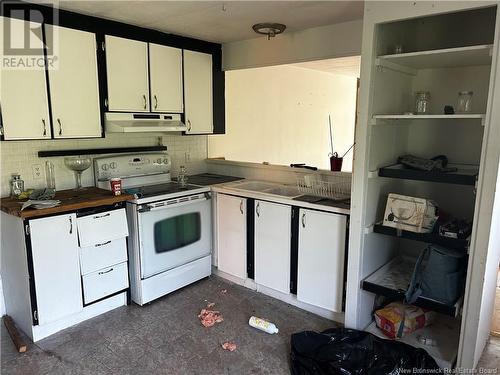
x=209, y=317
x=231, y=346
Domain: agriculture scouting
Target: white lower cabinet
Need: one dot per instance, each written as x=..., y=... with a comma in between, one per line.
x=56, y=267
x=320, y=276
x=101, y=255
x=272, y=245
x=232, y=235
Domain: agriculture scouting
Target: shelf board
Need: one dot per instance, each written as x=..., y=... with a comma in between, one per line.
x=392, y=280
x=444, y=330
x=384, y=119
x=432, y=238
x=96, y=151
x=441, y=58
x=465, y=175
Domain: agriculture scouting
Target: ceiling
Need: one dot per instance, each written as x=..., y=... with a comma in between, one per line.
x=344, y=65
x=219, y=21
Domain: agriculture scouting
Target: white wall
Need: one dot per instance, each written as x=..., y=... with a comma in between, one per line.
x=19, y=156
x=323, y=42
x=280, y=115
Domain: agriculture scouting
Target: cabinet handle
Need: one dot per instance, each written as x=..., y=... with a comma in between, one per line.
x=103, y=272
x=241, y=207
x=303, y=220
x=156, y=101
x=70, y=225
x=106, y=103
x=44, y=128
x=189, y=125
x=60, y=126
x=100, y=216
x=145, y=101
x=102, y=244
x=257, y=209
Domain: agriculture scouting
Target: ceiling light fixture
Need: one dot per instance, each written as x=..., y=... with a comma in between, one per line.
x=269, y=28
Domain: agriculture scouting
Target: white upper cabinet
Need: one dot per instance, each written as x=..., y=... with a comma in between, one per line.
x=272, y=245
x=232, y=235
x=198, y=97
x=23, y=94
x=56, y=267
x=322, y=239
x=127, y=71
x=166, y=78
x=74, y=87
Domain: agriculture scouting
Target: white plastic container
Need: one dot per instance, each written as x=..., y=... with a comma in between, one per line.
x=263, y=325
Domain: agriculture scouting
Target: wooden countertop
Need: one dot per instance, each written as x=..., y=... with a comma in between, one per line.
x=71, y=200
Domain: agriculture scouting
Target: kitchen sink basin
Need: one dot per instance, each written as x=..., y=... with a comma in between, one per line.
x=267, y=188
x=284, y=191
x=254, y=186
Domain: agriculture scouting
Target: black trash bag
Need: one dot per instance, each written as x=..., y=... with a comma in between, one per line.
x=348, y=352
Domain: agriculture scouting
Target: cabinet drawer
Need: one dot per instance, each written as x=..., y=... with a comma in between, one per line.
x=102, y=255
x=101, y=227
x=105, y=282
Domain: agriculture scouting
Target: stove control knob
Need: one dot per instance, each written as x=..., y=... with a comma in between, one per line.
x=158, y=161
x=165, y=161
x=105, y=167
x=112, y=165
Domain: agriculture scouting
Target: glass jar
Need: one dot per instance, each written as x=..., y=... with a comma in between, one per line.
x=50, y=175
x=422, y=102
x=16, y=185
x=464, y=102
x=182, y=177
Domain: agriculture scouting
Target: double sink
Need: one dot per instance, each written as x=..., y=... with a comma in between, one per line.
x=266, y=188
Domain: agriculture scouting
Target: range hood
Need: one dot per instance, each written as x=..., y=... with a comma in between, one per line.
x=143, y=122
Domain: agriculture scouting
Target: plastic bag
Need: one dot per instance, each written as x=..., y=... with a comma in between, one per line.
x=348, y=352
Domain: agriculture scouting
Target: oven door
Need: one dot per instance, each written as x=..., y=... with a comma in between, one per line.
x=174, y=232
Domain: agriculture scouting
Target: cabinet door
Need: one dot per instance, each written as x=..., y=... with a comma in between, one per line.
x=272, y=245
x=23, y=92
x=320, y=275
x=166, y=78
x=56, y=267
x=127, y=71
x=74, y=88
x=232, y=235
x=198, y=99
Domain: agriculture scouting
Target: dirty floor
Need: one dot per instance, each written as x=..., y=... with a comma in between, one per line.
x=166, y=337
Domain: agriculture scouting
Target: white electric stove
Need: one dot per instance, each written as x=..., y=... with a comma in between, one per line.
x=170, y=227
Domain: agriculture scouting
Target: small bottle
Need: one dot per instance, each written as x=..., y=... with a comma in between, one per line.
x=263, y=325
x=464, y=102
x=182, y=178
x=422, y=102
x=16, y=185
x=50, y=175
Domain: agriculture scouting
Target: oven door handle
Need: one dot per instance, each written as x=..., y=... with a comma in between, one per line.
x=164, y=205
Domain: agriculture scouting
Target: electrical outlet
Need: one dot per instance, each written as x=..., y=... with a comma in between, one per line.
x=187, y=157
x=37, y=171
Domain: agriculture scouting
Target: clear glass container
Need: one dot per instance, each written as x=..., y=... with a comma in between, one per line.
x=422, y=102
x=16, y=185
x=182, y=177
x=464, y=102
x=50, y=175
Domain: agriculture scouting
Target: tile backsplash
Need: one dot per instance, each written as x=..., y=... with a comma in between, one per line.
x=21, y=156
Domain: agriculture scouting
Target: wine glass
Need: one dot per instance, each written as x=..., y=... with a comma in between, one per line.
x=78, y=164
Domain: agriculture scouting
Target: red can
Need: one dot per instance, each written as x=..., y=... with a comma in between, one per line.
x=116, y=186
